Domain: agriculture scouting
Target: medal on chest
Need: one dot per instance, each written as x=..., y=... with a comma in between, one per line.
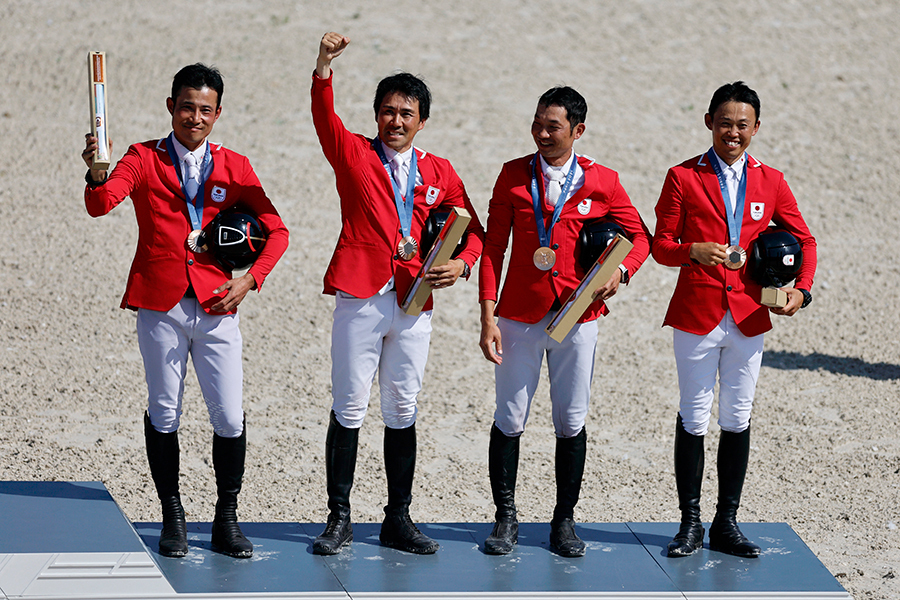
x=408, y=246
x=544, y=257
x=736, y=256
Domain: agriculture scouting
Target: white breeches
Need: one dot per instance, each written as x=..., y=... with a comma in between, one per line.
x=570, y=365
x=372, y=335
x=735, y=357
x=214, y=345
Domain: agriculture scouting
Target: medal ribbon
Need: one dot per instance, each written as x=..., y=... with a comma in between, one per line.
x=545, y=234
x=195, y=208
x=734, y=222
x=404, y=215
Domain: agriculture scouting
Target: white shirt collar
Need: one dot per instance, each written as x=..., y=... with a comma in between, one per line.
x=390, y=153
x=564, y=169
x=738, y=165
x=181, y=151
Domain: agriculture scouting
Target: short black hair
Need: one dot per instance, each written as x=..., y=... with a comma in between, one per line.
x=734, y=92
x=410, y=86
x=198, y=76
x=569, y=99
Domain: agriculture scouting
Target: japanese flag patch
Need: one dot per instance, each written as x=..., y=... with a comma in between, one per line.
x=218, y=194
x=431, y=195
x=584, y=207
x=756, y=210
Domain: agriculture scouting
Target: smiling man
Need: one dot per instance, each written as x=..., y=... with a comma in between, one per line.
x=711, y=209
x=544, y=200
x=186, y=301
x=388, y=189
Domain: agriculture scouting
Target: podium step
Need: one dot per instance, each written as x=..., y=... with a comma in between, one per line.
x=69, y=540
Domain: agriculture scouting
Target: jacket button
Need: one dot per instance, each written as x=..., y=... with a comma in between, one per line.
x=556, y=246
x=728, y=288
x=556, y=273
x=396, y=257
x=190, y=261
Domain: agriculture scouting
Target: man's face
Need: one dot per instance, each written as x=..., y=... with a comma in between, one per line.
x=553, y=134
x=194, y=112
x=398, y=121
x=733, y=126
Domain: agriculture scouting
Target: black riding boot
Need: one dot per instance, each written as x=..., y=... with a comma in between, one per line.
x=341, y=445
x=163, y=456
x=724, y=535
x=228, y=461
x=503, y=464
x=689, y=462
x=398, y=531
x=570, y=457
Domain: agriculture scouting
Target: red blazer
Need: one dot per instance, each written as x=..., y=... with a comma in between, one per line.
x=691, y=209
x=365, y=257
x=528, y=292
x=163, y=265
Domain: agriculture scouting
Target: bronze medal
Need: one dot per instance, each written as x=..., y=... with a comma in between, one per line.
x=195, y=242
x=736, y=257
x=544, y=258
x=408, y=248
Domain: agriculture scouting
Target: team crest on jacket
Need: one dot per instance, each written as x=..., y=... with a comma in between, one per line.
x=756, y=210
x=584, y=207
x=431, y=195
x=218, y=194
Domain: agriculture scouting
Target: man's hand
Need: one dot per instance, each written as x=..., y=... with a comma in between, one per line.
x=91, y=144
x=609, y=288
x=330, y=47
x=237, y=289
x=709, y=253
x=445, y=275
x=491, y=345
x=795, y=300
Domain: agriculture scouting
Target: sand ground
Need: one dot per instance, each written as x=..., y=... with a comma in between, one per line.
x=825, y=450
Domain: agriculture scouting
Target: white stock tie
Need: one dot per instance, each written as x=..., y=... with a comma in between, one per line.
x=553, y=188
x=400, y=174
x=731, y=180
x=192, y=179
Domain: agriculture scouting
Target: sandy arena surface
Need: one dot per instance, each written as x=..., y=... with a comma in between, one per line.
x=825, y=450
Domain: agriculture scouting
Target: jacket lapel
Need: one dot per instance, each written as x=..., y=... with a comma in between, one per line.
x=166, y=169
x=752, y=191
x=710, y=182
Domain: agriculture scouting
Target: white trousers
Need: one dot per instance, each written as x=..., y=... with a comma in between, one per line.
x=372, y=335
x=214, y=344
x=735, y=357
x=571, y=369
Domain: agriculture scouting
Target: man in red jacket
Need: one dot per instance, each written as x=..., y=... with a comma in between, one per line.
x=545, y=200
x=711, y=210
x=186, y=301
x=388, y=190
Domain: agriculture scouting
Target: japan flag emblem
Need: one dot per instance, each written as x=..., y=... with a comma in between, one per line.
x=584, y=207
x=788, y=260
x=756, y=210
x=218, y=194
x=432, y=195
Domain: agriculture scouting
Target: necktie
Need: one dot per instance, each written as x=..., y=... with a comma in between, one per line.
x=192, y=180
x=731, y=180
x=400, y=174
x=553, y=188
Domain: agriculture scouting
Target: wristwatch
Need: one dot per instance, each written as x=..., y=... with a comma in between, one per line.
x=90, y=181
x=625, y=276
x=468, y=271
x=807, y=297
